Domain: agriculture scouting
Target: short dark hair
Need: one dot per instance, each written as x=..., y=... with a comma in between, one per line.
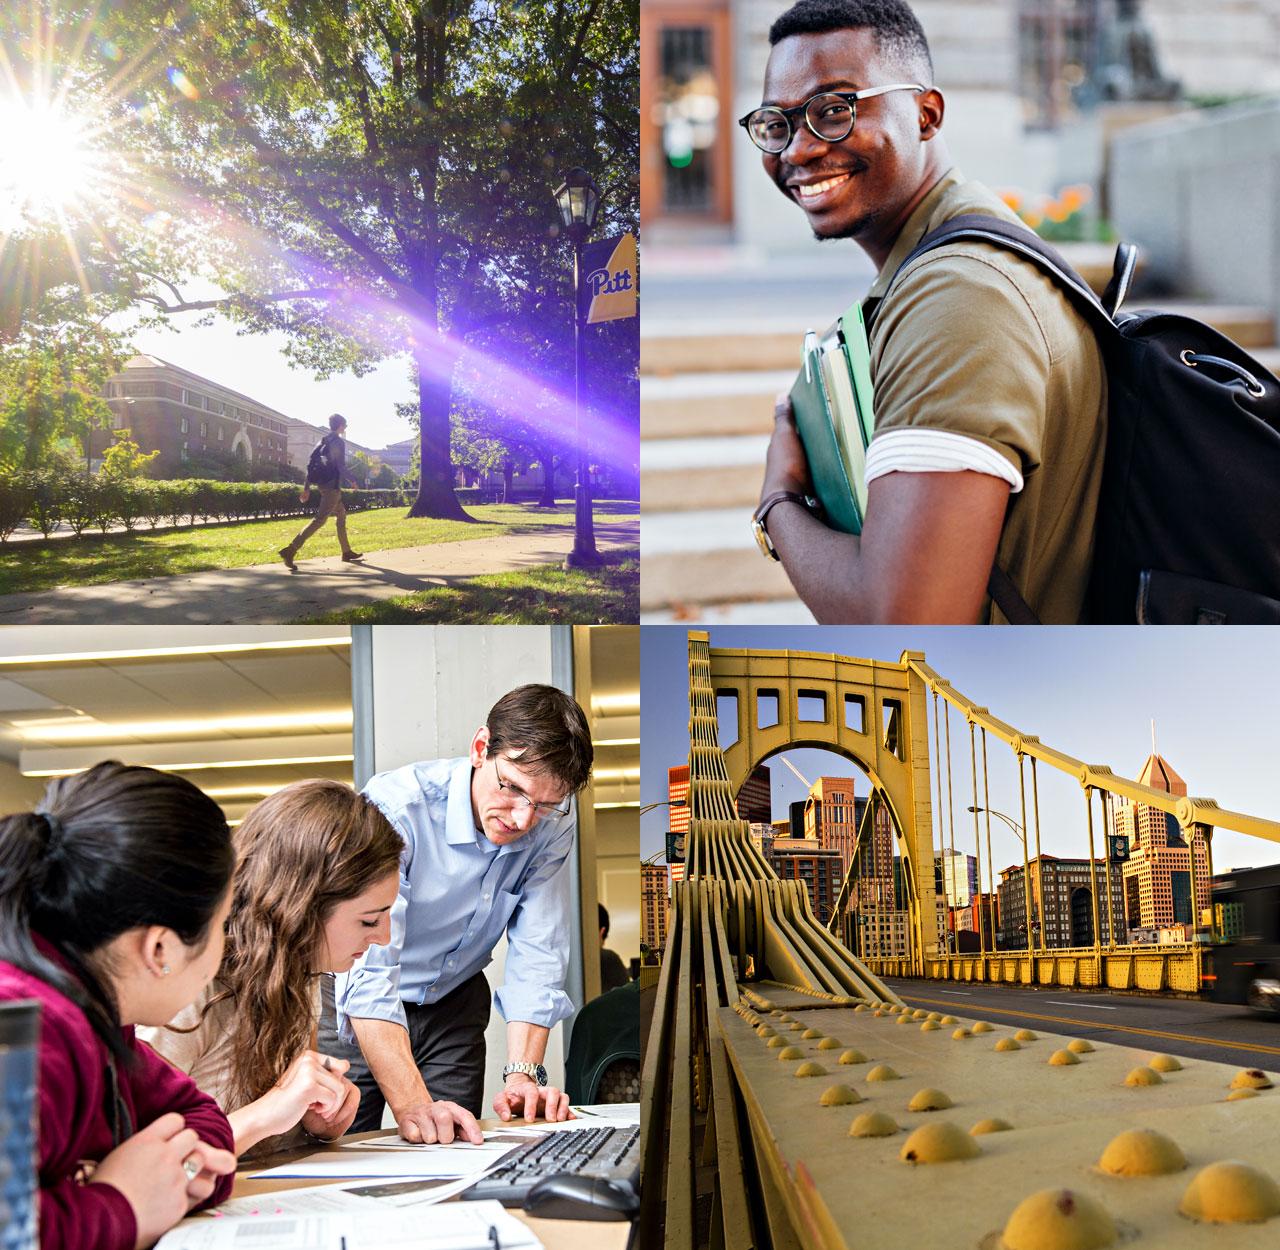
x=547, y=732
x=604, y=918
x=896, y=27
x=336, y=420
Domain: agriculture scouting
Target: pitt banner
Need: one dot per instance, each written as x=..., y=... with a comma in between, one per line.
x=607, y=291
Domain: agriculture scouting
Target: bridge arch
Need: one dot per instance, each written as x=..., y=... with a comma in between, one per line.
x=872, y=712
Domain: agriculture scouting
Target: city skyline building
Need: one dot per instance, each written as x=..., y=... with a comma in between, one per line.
x=1161, y=868
x=1061, y=902
x=755, y=799
x=802, y=859
x=678, y=798
x=655, y=905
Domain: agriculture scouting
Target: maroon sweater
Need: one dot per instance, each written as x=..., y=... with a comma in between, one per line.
x=74, y=1124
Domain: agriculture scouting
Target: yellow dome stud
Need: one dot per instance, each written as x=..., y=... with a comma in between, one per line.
x=1063, y=1058
x=1025, y=1035
x=790, y=1053
x=839, y=1096
x=882, y=1072
x=961, y=1033
x=810, y=1034
x=1059, y=1219
x=810, y=1068
x=992, y=1125
x=1079, y=1046
x=1008, y=1043
x=1142, y=1152
x=1143, y=1076
x=929, y=1100
x=1237, y=1094
x=830, y=1043
x=873, y=1124
x=983, y=1027
x=1228, y=1192
x=1164, y=1063
x=1251, y=1078
x=776, y=1041
x=929, y=1026
x=940, y=1142
x=852, y=1055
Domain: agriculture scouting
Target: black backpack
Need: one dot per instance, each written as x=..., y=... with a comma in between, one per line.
x=1189, y=516
x=320, y=472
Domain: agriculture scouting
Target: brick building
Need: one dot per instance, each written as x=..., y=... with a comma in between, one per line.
x=802, y=859
x=1061, y=900
x=755, y=799
x=678, y=798
x=1158, y=873
x=177, y=413
x=655, y=905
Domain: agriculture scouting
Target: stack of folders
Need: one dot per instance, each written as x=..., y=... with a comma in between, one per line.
x=832, y=404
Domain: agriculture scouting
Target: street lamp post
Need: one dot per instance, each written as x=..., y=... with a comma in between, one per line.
x=578, y=199
x=1032, y=924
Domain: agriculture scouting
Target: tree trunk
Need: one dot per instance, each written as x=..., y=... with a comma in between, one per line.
x=548, y=461
x=508, y=472
x=436, y=497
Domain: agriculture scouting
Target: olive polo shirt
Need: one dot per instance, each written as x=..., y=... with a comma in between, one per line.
x=975, y=346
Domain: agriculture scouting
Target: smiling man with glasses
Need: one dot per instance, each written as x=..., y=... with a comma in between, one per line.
x=990, y=395
x=488, y=838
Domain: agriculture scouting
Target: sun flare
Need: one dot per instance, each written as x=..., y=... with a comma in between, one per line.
x=49, y=165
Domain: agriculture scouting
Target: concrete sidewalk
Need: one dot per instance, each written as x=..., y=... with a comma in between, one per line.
x=269, y=593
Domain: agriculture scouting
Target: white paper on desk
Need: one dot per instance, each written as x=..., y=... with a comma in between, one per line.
x=463, y=1226
x=341, y=1164
x=392, y=1192
x=497, y=1142
x=614, y=1112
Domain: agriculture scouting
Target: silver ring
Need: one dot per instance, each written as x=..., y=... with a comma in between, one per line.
x=191, y=1168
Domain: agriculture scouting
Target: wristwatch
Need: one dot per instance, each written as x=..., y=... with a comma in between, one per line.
x=533, y=1070
x=808, y=502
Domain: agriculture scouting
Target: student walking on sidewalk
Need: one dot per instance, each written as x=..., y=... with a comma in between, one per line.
x=326, y=470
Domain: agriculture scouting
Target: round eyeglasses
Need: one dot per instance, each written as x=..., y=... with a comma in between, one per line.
x=521, y=802
x=829, y=115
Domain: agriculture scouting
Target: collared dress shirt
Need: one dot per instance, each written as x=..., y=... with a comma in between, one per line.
x=458, y=894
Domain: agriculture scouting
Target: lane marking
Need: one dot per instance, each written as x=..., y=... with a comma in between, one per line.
x=1053, y=1002
x=1195, y=1040
x=956, y=993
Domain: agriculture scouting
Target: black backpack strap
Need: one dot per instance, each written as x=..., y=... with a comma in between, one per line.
x=980, y=228
x=1004, y=594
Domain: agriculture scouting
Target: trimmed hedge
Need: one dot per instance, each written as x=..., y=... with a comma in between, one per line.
x=45, y=498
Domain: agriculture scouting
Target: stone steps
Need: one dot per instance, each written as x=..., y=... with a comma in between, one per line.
x=706, y=401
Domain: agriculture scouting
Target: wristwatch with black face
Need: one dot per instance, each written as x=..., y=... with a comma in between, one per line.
x=766, y=505
x=535, y=1071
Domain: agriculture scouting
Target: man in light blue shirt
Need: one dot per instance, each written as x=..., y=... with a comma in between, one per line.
x=488, y=838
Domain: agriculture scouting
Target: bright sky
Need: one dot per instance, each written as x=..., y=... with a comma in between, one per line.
x=1090, y=692
x=255, y=365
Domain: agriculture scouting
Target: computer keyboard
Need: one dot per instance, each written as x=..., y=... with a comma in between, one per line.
x=606, y=1154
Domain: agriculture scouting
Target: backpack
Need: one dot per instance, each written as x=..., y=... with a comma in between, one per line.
x=319, y=470
x=1189, y=514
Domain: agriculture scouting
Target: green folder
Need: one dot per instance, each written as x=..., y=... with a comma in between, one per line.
x=832, y=403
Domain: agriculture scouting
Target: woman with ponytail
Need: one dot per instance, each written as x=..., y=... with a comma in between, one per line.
x=316, y=876
x=113, y=897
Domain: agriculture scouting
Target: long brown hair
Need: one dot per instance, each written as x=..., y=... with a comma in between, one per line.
x=300, y=852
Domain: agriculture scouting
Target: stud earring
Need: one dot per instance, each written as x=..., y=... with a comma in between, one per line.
x=164, y=972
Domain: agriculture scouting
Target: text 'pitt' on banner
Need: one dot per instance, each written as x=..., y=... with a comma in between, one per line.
x=607, y=290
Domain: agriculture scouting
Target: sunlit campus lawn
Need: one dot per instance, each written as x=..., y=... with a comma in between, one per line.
x=546, y=595
x=104, y=558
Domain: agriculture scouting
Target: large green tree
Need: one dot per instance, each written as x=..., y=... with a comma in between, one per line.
x=374, y=176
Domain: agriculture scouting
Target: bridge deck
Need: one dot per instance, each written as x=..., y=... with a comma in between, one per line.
x=1062, y=1118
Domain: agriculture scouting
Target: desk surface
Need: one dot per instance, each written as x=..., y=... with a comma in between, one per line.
x=554, y=1234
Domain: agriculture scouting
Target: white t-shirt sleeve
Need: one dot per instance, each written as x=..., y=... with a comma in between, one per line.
x=917, y=450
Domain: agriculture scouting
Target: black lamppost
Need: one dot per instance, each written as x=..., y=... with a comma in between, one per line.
x=578, y=199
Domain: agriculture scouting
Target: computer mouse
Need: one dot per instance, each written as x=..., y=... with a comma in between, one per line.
x=568, y=1196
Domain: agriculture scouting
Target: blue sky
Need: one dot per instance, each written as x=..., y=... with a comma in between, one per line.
x=1091, y=692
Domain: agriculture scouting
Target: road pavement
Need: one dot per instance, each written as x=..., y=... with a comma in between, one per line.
x=1186, y=1027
